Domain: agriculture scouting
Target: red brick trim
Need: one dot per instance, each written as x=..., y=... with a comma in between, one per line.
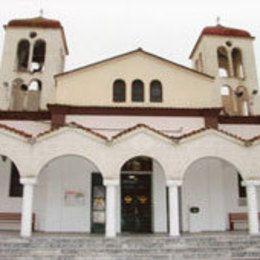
x=211, y=122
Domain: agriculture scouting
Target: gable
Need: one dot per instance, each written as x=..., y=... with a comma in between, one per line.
x=92, y=85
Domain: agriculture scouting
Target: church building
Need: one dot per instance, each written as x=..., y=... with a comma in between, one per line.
x=134, y=143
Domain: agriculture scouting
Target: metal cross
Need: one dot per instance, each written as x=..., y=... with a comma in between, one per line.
x=41, y=12
x=218, y=20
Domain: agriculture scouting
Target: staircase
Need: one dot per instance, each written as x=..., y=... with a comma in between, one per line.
x=221, y=246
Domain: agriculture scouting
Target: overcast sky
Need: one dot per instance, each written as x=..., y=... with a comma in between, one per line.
x=98, y=29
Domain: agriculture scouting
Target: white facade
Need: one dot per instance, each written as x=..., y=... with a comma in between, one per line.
x=188, y=152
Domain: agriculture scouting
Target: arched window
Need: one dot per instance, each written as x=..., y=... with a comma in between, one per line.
x=242, y=101
x=23, y=50
x=237, y=63
x=225, y=90
x=223, y=62
x=137, y=91
x=38, y=58
x=18, y=95
x=119, y=91
x=34, y=95
x=156, y=91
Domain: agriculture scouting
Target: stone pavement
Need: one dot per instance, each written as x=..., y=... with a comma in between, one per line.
x=68, y=246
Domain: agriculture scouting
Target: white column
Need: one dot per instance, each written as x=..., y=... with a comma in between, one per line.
x=111, y=209
x=27, y=205
x=252, y=206
x=173, y=200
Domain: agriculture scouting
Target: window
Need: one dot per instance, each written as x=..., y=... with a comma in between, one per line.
x=223, y=62
x=16, y=188
x=34, y=95
x=156, y=91
x=140, y=163
x=23, y=51
x=119, y=91
x=237, y=63
x=137, y=91
x=225, y=90
x=38, y=56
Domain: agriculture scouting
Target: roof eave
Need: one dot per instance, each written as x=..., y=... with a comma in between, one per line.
x=201, y=36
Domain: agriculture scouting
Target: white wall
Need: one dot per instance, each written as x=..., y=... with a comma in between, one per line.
x=159, y=199
x=111, y=125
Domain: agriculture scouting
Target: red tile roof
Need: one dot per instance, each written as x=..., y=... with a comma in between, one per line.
x=131, y=129
x=15, y=131
x=75, y=125
x=35, y=22
x=39, y=22
x=247, y=142
x=220, y=30
x=225, y=31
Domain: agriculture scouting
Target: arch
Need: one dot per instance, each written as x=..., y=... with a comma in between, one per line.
x=23, y=52
x=18, y=94
x=38, y=58
x=128, y=157
x=195, y=160
x=211, y=181
x=223, y=62
x=74, y=184
x=242, y=99
x=227, y=99
x=54, y=158
x=156, y=92
x=237, y=62
x=137, y=91
x=34, y=95
x=225, y=90
x=119, y=91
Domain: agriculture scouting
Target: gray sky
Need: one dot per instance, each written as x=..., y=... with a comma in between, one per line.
x=98, y=29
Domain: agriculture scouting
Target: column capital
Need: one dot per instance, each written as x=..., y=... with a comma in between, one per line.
x=171, y=183
x=28, y=180
x=251, y=183
x=111, y=182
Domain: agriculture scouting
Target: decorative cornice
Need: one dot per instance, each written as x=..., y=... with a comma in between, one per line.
x=134, y=111
x=25, y=115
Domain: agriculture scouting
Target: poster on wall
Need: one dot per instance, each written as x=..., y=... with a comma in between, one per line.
x=74, y=198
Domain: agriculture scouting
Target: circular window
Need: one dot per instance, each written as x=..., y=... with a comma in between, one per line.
x=229, y=43
x=33, y=34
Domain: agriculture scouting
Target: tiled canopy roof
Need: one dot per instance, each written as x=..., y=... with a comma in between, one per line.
x=35, y=22
x=220, y=30
x=246, y=142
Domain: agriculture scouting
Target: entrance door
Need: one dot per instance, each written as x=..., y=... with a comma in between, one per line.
x=136, y=203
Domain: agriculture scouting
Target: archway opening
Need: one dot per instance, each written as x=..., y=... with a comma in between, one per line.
x=70, y=196
x=212, y=190
x=143, y=196
x=11, y=195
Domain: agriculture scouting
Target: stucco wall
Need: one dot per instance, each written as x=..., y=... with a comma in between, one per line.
x=93, y=85
x=53, y=63
x=111, y=125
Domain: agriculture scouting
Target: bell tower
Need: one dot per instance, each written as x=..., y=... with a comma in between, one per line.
x=228, y=55
x=34, y=51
